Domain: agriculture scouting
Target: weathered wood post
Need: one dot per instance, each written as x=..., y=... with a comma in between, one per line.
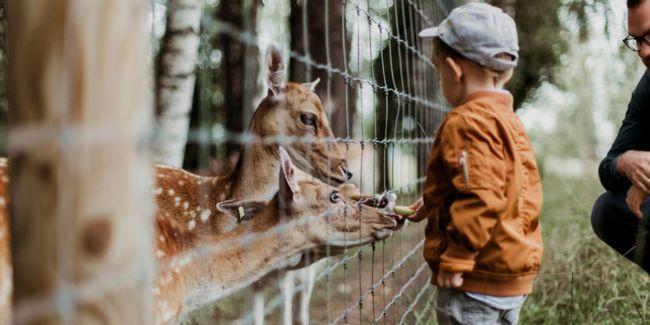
x=80, y=114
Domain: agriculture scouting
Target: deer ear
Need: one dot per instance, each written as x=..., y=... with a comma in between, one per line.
x=312, y=85
x=275, y=79
x=288, y=177
x=242, y=210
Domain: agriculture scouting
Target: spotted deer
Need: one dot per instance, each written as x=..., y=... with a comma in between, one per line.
x=304, y=214
x=288, y=110
x=188, y=201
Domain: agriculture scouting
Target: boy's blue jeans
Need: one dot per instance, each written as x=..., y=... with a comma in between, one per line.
x=454, y=307
x=615, y=225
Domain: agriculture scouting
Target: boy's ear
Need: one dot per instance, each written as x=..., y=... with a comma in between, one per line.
x=455, y=68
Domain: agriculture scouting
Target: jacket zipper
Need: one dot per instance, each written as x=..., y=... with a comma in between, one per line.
x=463, y=163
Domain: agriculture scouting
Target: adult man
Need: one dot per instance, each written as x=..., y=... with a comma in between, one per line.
x=617, y=216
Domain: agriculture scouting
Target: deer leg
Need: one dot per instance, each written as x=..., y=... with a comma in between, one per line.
x=287, y=285
x=308, y=278
x=258, y=308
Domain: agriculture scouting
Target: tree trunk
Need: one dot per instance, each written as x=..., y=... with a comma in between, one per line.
x=240, y=68
x=322, y=27
x=175, y=76
x=81, y=226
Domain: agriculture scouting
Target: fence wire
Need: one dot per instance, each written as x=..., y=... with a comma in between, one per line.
x=392, y=109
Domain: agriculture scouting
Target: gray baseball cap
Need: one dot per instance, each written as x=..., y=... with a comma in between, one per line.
x=479, y=32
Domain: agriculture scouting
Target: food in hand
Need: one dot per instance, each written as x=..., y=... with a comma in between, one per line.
x=404, y=210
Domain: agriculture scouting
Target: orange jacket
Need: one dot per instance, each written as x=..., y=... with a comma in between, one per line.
x=483, y=197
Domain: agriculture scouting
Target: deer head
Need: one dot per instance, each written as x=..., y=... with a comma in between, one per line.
x=333, y=217
x=293, y=109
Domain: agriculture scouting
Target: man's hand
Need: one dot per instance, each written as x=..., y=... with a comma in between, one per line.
x=635, y=166
x=449, y=280
x=419, y=211
x=635, y=197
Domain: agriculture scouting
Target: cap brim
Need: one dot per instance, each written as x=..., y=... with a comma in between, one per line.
x=429, y=32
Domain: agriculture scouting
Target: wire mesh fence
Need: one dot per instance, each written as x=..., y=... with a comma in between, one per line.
x=379, y=94
x=379, y=90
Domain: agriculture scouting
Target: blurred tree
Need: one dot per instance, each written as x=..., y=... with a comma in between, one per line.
x=543, y=39
x=226, y=85
x=175, y=76
x=318, y=32
x=3, y=69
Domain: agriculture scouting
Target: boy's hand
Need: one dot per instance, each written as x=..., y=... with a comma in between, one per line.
x=635, y=197
x=449, y=280
x=419, y=212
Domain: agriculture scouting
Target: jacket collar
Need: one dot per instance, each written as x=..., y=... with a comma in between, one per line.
x=501, y=98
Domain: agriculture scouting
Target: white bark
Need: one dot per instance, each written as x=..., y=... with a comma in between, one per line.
x=176, y=74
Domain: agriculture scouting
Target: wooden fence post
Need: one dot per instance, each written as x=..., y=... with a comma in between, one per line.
x=79, y=124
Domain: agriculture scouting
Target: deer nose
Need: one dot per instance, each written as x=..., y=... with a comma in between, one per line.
x=347, y=173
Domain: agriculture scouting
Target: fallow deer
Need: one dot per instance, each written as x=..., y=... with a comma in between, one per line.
x=189, y=201
x=303, y=215
x=289, y=110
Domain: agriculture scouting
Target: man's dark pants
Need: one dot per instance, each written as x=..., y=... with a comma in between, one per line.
x=618, y=227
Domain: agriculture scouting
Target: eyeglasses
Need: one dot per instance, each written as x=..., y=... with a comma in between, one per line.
x=633, y=43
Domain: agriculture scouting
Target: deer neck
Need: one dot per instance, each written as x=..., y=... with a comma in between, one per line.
x=237, y=263
x=256, y=173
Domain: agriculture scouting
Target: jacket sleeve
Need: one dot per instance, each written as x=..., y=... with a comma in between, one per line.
x=629, y=137
x=473, y=154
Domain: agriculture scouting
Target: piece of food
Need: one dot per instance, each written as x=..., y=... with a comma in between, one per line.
x=404, y=210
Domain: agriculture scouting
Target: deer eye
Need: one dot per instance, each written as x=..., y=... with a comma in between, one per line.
x=308, y=119
x=335, y=197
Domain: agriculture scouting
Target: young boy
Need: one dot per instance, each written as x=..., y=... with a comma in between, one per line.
x=483, y=192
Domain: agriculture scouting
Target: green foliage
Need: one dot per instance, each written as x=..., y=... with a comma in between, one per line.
x=543, y=26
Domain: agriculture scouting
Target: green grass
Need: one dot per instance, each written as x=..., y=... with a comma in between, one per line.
x=582, y=280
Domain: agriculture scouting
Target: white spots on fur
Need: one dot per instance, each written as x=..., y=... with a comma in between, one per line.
x=205, y=215
x=184, y=261
x=193, y=214
x=191, y=224
x=160, y=254
x=3, y=161
x=3, y=202
x=158, y=191
x=181, y=183
x=170, y=192
x=205, y=196
x=161, y=238
x=186, y=205
x=177, y=201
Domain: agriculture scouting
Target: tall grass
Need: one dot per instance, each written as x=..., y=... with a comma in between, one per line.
x=582, y=281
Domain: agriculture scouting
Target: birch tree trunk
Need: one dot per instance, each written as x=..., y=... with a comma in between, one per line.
x=81, y=211
x=175, y=77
